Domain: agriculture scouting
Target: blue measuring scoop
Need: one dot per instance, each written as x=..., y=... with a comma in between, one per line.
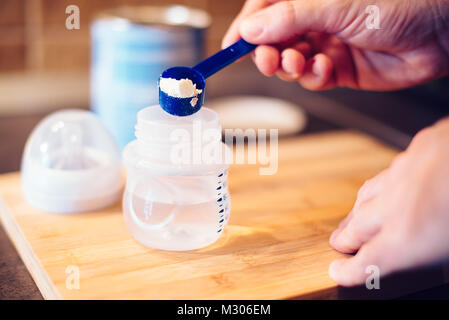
x=198, y=74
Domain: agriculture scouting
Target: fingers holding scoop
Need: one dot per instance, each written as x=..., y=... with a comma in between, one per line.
x=267, y=59
x=313, y=74
x=293, y=64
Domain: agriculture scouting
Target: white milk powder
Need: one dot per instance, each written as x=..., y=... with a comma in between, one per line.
x=183, y=88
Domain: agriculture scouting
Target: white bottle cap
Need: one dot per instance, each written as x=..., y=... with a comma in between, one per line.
x=71, y=164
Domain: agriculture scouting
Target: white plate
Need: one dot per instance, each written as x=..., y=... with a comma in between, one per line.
x=258, y=112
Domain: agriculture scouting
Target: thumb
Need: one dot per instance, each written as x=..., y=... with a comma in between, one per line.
x=285, y=20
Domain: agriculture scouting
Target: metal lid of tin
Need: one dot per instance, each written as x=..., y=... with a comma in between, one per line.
x=176, y=15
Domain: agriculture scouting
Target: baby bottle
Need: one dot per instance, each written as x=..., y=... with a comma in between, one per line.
x=176, y=195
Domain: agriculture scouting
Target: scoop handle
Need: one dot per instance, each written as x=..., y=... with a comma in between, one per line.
x=224, y=57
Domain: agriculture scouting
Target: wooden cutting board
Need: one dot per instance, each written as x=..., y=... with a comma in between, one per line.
x=275, y=246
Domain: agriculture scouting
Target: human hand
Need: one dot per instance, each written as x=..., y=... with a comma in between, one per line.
x=326, y=43
x=400, y=219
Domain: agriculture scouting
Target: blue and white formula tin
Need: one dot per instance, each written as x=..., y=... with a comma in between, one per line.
x=131, y=46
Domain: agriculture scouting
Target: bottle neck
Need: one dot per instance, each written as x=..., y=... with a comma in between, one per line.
x=177, y=140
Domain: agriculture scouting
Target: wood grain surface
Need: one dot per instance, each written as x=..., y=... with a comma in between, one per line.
x=275, y=246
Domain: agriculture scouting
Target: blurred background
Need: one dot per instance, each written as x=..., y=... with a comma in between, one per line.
x=46, y=67
x=33, y=36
